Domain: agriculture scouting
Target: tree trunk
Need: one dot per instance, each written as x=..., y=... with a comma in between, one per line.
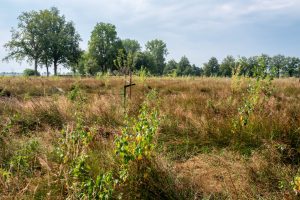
x=55, y=68
x=47, y=68
x=35, y=67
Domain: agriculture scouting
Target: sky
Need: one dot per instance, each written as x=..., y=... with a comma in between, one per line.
x=198, y=29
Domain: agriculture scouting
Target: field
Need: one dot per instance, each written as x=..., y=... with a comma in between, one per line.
x=217, y=138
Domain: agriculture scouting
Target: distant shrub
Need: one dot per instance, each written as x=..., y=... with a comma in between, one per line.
x=30, y=72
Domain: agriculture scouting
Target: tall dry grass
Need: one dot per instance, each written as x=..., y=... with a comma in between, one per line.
x=195, y=134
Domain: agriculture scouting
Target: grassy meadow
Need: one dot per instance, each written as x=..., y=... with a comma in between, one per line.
x=215, y=138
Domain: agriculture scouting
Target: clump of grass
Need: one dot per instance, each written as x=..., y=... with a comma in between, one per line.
x=4, y=92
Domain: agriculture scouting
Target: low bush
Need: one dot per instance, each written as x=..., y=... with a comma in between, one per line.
x=30, y=72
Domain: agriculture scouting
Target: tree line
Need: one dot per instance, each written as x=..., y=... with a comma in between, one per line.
x=45, y=38
x=277, y=66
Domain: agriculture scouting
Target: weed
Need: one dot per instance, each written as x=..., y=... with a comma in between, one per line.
x=24, y=160
x=142, y=75
x=296, y=184
x=250, y=102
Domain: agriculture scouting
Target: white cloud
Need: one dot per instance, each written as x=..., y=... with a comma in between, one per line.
x=241, y=10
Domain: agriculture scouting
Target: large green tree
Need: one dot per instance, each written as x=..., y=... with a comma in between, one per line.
x=292, y=66
x=183, y=64
x=249, y=68
x=90, y=65
x=158, y=50
x=278, y=63
x=212, y=68
x=44, y=37
x=131, y=46
x=64, y=40
x=103, y=45
x=170, y=67
x=227, y=66
x=144, y=60
x=25, y=40
x=197, y=71
x=184, y=68
x=45, y=22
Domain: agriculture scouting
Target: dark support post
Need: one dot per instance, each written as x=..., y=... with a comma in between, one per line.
x=126, y=86
x=130, y=82
x=124, y=99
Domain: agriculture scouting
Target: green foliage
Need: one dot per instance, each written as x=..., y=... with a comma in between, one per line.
x=142, y=74
x=103, y=46
x=124, y=61
x=251, y=99
x=24, y=160
x=134, y=144
x=100, y=188
x=89, y=64
x=22, y=124
x=236, y=80
x=144, y=60
x=136, y=140
x=278, y=63
x=296, y=184
x=44, y=37
x=73, y=149
x=292, y=67
x=276, y=66
x=158, y=50
x=170, y=67
x=23, y=43
x=64, y=42
x=227, y=66
x=75, y=93
x=131, y=46
x=5, y=174
x=183, y=68
x=212, y=68
x=30, y=72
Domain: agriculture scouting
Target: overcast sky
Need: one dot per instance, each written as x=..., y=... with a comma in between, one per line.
x=198, y=29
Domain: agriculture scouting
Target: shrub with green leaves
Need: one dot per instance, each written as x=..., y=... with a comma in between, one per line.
x=136, y=141
x=257, y=90
x=296, y=184
x=24, y=160
x=30, y=72
x=133, y=145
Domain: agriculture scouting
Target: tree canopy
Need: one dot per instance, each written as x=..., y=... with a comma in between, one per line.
x=25, y=40
x=103, y=45
x=212, y=68
x=44, y=37
x=131, y=46
x=158, y=50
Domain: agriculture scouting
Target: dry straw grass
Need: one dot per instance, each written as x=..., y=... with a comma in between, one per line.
x=195, y=135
